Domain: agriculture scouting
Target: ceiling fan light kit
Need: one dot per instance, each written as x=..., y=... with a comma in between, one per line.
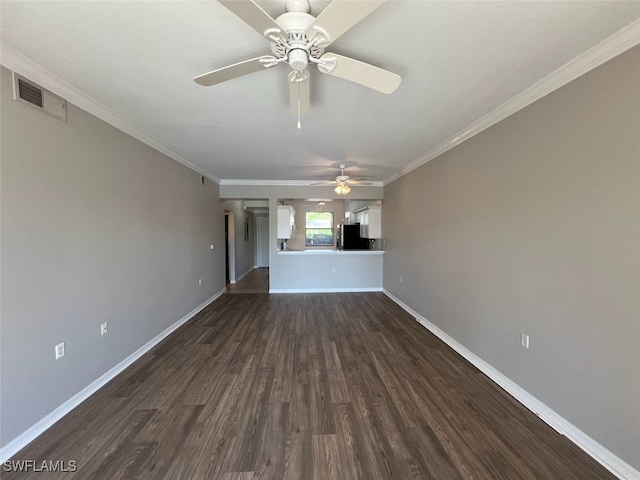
x=343, y=181
x=298, y=39
x=342, y=189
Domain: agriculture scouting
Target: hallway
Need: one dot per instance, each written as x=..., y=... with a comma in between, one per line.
x=256, y=281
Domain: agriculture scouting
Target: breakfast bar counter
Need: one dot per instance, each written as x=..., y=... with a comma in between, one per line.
x=331, y=252
x=308, y=271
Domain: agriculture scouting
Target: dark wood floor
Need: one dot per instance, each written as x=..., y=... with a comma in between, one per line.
x=256, y=281
x=322, y=386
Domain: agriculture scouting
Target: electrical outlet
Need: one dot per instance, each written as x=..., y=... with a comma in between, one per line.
x=212, y=246
x=334, y=270
x=103, y=328
x=60, y=350
x=199, y=281
x=524, y=340
x=400, y=278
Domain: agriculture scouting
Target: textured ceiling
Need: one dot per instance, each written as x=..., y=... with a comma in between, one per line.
x=458, y=61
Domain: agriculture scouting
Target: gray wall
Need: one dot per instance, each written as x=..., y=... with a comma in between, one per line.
x=533, y=226
x=244, y=251
x=96, y=227
x=261, y=192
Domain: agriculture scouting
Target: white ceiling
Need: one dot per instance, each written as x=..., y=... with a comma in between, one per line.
x=459, y=61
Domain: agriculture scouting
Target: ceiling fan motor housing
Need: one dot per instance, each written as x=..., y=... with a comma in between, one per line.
x=297, y=6
x=297, y=50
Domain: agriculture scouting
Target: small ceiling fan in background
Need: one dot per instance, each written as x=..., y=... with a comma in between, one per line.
x=298, y=39
x=343, y=181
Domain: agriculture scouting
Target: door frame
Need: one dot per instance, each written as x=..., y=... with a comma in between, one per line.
x=231, y=245
x=257, y=241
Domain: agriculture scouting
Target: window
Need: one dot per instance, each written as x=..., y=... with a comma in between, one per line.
x=319, y=229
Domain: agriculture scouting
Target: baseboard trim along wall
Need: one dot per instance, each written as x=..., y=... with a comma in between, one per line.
x=602, y=455
x=22, y=440
x=323, y=290
x=244, y=274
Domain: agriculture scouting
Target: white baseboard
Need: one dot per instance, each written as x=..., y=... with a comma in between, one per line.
x=244, y=274
x=602, y=455
x=324, y=290
x=26, y=437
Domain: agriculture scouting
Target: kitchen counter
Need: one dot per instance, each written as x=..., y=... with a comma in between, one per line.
x=306, y=271
x=330, y=252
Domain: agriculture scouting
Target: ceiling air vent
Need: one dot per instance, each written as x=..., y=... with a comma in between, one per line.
x=36, y=96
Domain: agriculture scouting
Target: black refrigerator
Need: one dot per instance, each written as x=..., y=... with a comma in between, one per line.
x=349, y=238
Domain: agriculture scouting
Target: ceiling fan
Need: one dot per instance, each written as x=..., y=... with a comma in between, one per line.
x=343, y=181
x=298, y=39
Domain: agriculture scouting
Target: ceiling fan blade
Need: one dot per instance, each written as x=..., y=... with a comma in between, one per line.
x=358, y=182
x=339, y=16
x=359, y=72
x=251, y=14
x=233, y=71
x=299, y=92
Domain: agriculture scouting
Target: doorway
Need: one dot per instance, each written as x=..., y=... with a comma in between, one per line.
x=262, y=241
x=229, y=247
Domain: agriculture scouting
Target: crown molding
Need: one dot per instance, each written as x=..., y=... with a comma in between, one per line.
x=612, y=46
x=287, y=183
x=276, y=183
x=24, y=66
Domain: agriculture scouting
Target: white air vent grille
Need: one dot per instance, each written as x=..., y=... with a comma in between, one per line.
x=36, y=96
x=29, y=93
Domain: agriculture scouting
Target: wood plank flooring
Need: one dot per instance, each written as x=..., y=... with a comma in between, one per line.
x=256, y=281
x=318, y=386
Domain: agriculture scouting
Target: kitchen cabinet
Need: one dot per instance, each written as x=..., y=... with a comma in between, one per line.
x=363, y=220
x=286, y=221
x=370, y=220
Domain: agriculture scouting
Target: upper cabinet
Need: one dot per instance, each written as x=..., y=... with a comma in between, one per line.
x=286, y=221
x=370, y=220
